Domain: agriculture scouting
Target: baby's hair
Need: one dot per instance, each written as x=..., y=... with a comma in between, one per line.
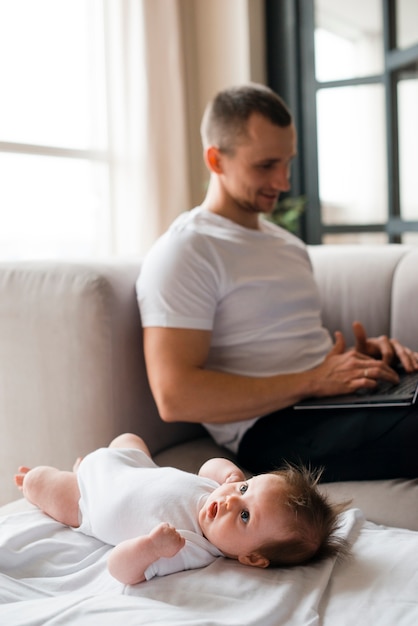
x=315, y=521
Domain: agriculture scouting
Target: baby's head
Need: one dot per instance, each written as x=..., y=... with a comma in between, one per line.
x=274, y=519
x=312, y=521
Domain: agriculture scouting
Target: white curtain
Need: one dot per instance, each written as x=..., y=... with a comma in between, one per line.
x=104, y=132
x=147, y=128
x=167, y=131
x=165, y=58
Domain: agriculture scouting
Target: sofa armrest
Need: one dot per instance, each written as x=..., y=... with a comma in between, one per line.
x=405, y=301
x=72, y=372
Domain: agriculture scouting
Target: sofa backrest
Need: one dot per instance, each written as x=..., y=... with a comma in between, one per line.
x=376, y=285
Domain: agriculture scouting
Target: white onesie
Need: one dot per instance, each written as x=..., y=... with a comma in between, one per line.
x=124, y=494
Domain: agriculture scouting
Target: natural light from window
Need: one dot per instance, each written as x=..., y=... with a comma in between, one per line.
x=351, y=119
x=54, y=192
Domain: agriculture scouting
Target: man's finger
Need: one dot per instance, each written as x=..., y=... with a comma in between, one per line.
x=360, y=336
x=339, y=345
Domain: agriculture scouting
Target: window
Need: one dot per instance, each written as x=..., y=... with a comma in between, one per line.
x=349, y=70
x=54, y=164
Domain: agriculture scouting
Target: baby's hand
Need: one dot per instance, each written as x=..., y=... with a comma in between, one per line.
x=167, y=540
x=236, y=477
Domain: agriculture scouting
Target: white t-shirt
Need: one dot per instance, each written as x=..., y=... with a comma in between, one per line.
x=124, y=494
x=253, y=289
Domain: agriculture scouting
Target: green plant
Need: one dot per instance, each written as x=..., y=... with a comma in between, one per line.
x=287, y=213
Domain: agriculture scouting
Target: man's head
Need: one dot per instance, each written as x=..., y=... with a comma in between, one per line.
x=225, y=119
x=249, y=143
x=275, y=519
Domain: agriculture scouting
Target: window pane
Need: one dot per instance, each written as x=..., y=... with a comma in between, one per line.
x=408, y=143
x=52, y=207
x=348, y=38
x=356, y=238
x=51, y=73
x=406, y=23
x=351, y=155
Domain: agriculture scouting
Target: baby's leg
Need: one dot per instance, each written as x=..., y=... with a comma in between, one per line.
x=54, y=491
x=129, y=440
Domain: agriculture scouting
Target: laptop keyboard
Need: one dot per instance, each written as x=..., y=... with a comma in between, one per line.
x=406, y=386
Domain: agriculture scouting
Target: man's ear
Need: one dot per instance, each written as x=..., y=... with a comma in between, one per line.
x=213, y=159
x=254, y=559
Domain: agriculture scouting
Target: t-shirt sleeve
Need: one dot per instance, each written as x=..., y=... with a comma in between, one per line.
x=177, y=286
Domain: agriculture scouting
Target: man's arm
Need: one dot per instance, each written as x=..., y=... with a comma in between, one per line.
x=222, y=471
x=185, y=391
x=129, y=560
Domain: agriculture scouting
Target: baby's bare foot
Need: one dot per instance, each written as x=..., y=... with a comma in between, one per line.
x=20, y=477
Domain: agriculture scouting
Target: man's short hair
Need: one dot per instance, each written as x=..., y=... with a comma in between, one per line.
x=226, y=116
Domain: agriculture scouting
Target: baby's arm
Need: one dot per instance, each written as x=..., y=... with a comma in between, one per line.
x=129, y=559
x=222, y=471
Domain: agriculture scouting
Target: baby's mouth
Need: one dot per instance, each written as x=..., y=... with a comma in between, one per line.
x=213, y=509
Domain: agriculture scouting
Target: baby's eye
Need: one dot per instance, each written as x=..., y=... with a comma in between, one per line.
x=243, y=488
x=245, y=516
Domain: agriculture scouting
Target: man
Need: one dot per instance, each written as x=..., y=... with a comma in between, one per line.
x=233, y=336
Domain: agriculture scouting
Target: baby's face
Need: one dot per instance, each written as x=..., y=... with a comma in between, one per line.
x=238, y=518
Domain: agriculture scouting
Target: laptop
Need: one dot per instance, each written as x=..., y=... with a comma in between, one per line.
x=384, y=394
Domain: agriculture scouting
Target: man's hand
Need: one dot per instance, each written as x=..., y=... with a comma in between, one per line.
x=384, y=348
x=346, y=371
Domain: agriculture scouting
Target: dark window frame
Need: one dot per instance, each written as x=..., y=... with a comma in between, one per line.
x=290, y=58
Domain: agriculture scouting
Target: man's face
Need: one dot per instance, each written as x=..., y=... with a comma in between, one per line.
x=240, y=517
x=258, y=170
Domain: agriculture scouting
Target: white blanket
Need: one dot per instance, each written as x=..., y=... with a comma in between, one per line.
x=51, y=575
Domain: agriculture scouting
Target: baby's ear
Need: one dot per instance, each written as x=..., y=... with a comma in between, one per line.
x=254, y=559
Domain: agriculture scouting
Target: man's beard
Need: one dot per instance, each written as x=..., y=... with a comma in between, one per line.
x=248, y=207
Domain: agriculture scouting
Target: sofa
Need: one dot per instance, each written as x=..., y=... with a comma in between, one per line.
x=72, y=371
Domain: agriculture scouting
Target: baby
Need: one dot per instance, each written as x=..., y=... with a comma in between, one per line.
x=163, y=520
